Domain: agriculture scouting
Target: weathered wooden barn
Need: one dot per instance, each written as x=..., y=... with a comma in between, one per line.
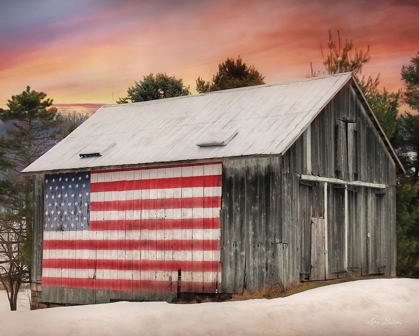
x=216, y=193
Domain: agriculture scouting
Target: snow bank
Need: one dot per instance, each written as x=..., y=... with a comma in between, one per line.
x=366, y=307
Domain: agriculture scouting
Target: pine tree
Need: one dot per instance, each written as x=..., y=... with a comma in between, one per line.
x=409, y=122
x=407, y=228
x=155, y=87
x=33, y=128
x=410, y=76
x=231, y=74
x=344, y=58
x=408, y=187
x=384, y=104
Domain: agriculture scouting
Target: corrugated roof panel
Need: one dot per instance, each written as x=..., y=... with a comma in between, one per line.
x=268, y=118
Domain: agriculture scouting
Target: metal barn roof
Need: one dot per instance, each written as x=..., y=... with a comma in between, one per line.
x=267, y=118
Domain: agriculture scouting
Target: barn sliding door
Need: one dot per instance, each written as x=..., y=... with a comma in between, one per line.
x=139, y=234
x=318, y=248
x=313, y=231
x=336, y=228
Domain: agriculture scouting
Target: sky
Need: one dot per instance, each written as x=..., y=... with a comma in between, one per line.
x=84, y=54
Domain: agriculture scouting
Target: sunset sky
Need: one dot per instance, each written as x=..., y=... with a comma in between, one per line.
x=85, y=53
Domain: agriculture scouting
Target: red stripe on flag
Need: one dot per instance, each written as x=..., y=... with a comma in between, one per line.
x=152, y=204
x=134, y=265
x=160, y=245
x=155, y=224
x=176, y=182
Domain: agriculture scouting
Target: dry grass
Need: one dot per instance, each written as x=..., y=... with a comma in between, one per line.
x=276, y=291
x=273, y=291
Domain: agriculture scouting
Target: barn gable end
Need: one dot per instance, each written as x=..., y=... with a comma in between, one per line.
x=359, y=215
x=319, y=211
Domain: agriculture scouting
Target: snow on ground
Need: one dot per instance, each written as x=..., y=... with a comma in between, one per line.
x=23, y=301
x=365, y=307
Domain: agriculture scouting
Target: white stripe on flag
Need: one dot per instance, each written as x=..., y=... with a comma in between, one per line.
x=158, y=173
x=155, y=194
x=133, y=255
x=155, y=214
x=184, y=234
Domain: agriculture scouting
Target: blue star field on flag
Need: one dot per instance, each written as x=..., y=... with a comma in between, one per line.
x=67, y=201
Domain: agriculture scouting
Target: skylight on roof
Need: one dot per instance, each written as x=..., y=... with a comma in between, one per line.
x=217, y=138
x=95, y=150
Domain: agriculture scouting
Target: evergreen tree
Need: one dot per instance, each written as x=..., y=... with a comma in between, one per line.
x=203, y=86
x=33, y=128
x=231, y=74
x=408, y=187
x=344, y=58
x=155, y=87
x=407, y=228
x=384, y=104
x=409, y=122
x=409, y=144
x=410, y=76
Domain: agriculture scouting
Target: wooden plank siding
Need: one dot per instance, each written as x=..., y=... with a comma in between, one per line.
x=252, y=235
x=317, y=267
x=37, y=232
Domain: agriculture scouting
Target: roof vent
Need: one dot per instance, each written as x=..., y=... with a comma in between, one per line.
x=95, y=150
x=217, y=138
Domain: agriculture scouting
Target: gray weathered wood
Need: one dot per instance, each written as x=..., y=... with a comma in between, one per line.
x=352, y=151
x=37, y=231
x=305, y=177
x=318, y=267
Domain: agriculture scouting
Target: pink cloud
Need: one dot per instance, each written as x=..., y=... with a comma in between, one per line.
x=94, y=58
x=80, y=108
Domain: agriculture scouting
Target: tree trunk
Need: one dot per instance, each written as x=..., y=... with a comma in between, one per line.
x=13, y=292
x=13, y=304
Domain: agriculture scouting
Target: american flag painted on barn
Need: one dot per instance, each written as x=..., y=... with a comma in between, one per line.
x=134, y=229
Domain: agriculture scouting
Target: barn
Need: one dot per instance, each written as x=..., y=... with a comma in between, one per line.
x=215, y=193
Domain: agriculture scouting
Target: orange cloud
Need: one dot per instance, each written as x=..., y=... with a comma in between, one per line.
x=94, y=58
